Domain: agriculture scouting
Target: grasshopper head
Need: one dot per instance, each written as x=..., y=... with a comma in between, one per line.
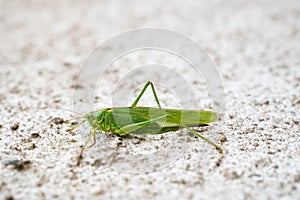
x=90, y=118
x=96, y=116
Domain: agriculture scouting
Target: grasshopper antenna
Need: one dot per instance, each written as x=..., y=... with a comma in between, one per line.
x=69, y=110
x=78, y=113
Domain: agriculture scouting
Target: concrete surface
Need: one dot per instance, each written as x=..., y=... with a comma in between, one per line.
x=255, y=45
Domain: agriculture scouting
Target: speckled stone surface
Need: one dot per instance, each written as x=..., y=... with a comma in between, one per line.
x=255, y=46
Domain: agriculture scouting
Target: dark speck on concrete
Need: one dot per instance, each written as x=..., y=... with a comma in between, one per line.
x=18, y=164
x=9, y=197
x=57, y=120
x=35, y=135
x=14, y=126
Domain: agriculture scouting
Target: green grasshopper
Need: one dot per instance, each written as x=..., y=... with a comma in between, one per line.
x=145, y=120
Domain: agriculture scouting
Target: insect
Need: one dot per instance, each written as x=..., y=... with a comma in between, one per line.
x=145, y=120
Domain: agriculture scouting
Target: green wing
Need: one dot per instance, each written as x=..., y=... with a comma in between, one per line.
x=128, y=115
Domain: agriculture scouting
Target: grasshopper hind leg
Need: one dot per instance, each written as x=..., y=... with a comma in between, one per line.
x=143, y=91
x=136, y=126
x=203, y=138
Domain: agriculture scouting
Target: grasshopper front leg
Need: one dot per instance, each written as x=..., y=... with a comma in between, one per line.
x=92, y=134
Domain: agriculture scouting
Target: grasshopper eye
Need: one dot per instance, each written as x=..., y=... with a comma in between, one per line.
x=90, y=115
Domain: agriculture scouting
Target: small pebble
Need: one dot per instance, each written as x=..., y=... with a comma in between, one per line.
x=14, y=127
x=9, y=198
x=74, y=123
x=32, y=146
x=72, y=140
x=57, y=120
x=18, y=164
x=35, y=135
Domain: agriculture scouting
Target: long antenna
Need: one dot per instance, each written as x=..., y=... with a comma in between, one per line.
x=71, y=111
x=68, y=120
x=78, y=113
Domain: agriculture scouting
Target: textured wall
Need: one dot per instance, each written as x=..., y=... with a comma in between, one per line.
x=255, y=46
